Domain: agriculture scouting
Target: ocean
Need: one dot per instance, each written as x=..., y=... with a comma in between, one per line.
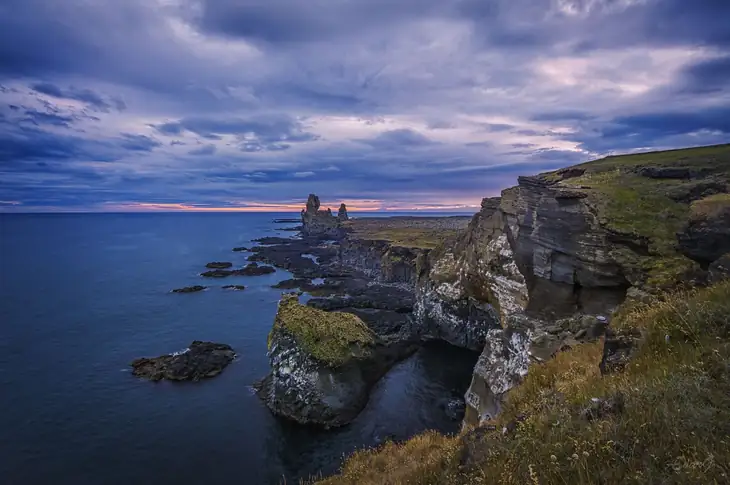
x=82, y=295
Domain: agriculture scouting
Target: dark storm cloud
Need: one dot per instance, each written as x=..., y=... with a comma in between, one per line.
x=39, y=118
x=21, y=143
x=707, y=76
x=416, y=99
x=138, y=143
x=88, y=96
x=283, y=21
x=264, y=128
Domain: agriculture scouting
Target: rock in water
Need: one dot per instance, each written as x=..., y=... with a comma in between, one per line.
x=251, y=269
x=201, y=360
x=234, y=287
x=321, y=223
x=189, y=289
x=219, y=265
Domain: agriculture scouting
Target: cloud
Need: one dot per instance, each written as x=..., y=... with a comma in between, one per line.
x=138, y=143
x=87, y=96
x=205, y=150
x=205, y=103
x=400, y=138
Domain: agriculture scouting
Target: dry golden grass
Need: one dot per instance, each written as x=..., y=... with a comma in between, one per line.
x=710, y=206
x=674, y=428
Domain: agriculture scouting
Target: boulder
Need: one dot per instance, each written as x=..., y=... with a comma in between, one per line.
x=665, y=172
x=618, y=349
x=189, y=289
x=200, y=360
x=720, y=269
x=706, y=235
x=218, y=265
x=234, y=287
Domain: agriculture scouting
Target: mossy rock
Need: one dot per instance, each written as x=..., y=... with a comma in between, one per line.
x=646, y=198
x=332, y=338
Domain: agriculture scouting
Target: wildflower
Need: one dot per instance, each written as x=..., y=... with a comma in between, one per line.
x=553, y=458
x=574, y=456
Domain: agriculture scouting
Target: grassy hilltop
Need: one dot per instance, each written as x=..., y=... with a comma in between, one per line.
x=665, y=417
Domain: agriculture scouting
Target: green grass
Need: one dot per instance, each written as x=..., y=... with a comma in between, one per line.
x=674, y=428
x=641, y=208
x=410, y=237
x=332, y=338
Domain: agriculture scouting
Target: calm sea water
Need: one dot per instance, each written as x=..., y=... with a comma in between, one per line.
x=84, y=294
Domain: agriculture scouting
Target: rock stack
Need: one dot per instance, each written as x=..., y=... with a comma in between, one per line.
x=321, y=223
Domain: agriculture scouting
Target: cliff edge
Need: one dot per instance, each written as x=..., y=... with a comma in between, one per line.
x=535, y=281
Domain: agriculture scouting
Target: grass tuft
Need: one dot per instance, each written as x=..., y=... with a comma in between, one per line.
x=332, y=338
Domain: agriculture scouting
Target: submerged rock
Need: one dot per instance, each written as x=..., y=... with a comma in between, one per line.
x=240, y=249
x=219, y=265
x=252, y=269
x=199, y=361
x=234, y=287
x=189, y=289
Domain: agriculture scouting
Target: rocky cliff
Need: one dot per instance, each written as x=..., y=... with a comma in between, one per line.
x=323, y=364
x=537, y=270
x=551, y=259
x=539, y=275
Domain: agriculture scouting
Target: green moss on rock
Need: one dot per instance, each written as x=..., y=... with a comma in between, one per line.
x=646, y=197
x=329, y=337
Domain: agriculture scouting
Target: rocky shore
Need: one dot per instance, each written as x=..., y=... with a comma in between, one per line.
x=535, y=272
x=201, y=360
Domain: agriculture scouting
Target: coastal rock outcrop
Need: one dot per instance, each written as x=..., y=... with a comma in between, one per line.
x=251, y=269
x=321, y=223
x=323, y=364
x=200, y=360
x=342, y=213
x=219, y=265
x=189, y=289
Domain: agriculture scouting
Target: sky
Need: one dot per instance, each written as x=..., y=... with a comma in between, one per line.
x=114, y=105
